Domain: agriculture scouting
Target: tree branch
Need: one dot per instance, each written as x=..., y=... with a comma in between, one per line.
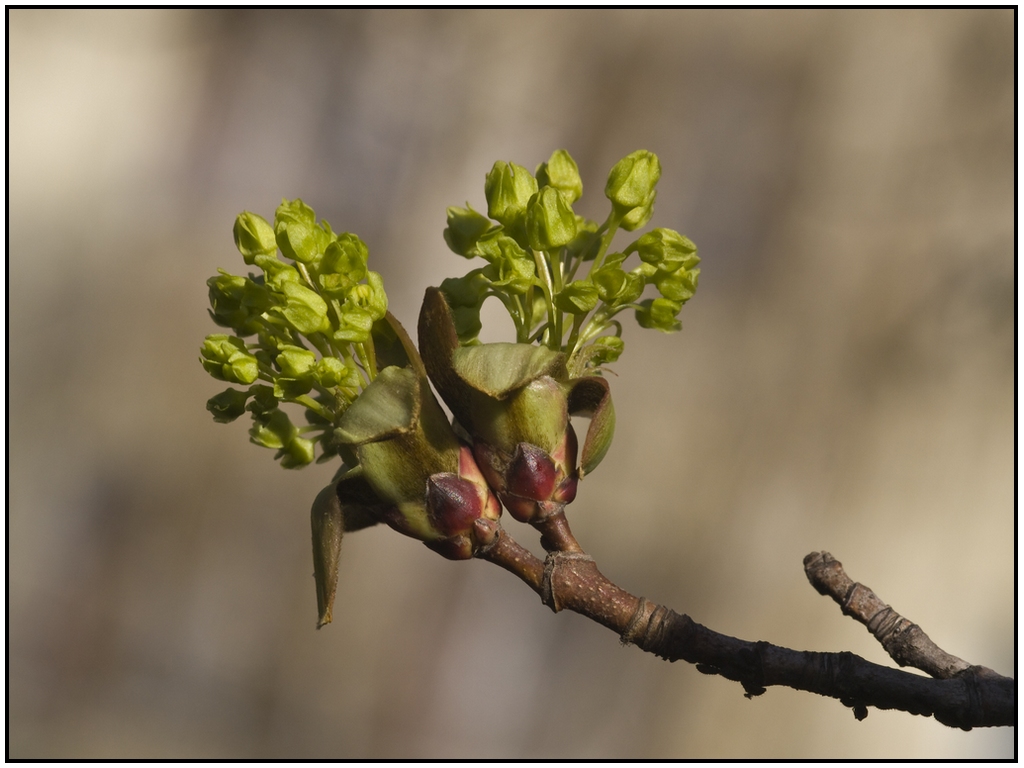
x=958, y=694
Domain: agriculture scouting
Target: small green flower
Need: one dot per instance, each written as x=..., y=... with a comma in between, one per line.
x=465, y=227
x=550, y=222
x=254, y=237
x=562, y=173
x=228, y=405
x=508, y=188
x=296, y=231
x=227, y=358
x=631, y=182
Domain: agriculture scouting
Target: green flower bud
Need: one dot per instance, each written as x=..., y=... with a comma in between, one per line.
x=606, y=350
x=465, y=226
x=579, y=296
x=227, y=406
x=229, y=307
x=226, y=358
x=632, y=180
x=354, y=325
x=263, y=400
x=639, y=216
x=515, y=274
x=562, y=173
x=298, y=453
x=277, y=274
x=332, y=372
x=666, y=249
x=296, y=231
x=346, y=256
x=550, y=222
x=415, y=464
x=678, y=286
x=295, y=361
x=304, y=310
x=610, y=280
x=497, y=246
x=254, y=236
x=369, y=296
x=515, y=401
x=587, y=242
x=274, y=430
x=465, y=291
x=659, y=314
x=508, y=188
x=616, y=287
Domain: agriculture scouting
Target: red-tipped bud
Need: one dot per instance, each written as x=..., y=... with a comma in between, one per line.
x=452, y=503
x=531, y=473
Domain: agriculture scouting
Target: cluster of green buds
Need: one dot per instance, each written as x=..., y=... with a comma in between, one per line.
x=515, y=400
x=313, y=330
x=302, y=331
x=535, y=246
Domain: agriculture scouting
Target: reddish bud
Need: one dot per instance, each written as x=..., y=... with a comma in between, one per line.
x=531, y=473
x=452, y=503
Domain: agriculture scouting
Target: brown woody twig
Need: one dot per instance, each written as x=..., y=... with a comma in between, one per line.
x=957, y=694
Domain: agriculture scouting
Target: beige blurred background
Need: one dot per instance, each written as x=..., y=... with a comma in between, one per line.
x=844, y=379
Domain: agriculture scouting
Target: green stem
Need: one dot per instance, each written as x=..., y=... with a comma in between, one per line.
x=612, y=224
x=371, y=357
x=364, y=365
x=313, y=405
x=554, y=339
x=577, y=321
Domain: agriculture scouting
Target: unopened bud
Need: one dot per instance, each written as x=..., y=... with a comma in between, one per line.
x=550, y=221
x=632, y=180
x=562, y=173
x=508, y=188
x=254, y=237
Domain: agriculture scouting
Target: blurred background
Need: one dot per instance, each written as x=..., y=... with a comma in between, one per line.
x=844, y=379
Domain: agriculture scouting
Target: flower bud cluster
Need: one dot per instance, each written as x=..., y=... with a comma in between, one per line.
x=535, y=244
x=312, y=328
x=303, y=330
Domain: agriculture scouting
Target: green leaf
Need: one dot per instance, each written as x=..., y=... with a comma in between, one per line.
x=465, y=291
x=389, y=406
x=500, y=368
